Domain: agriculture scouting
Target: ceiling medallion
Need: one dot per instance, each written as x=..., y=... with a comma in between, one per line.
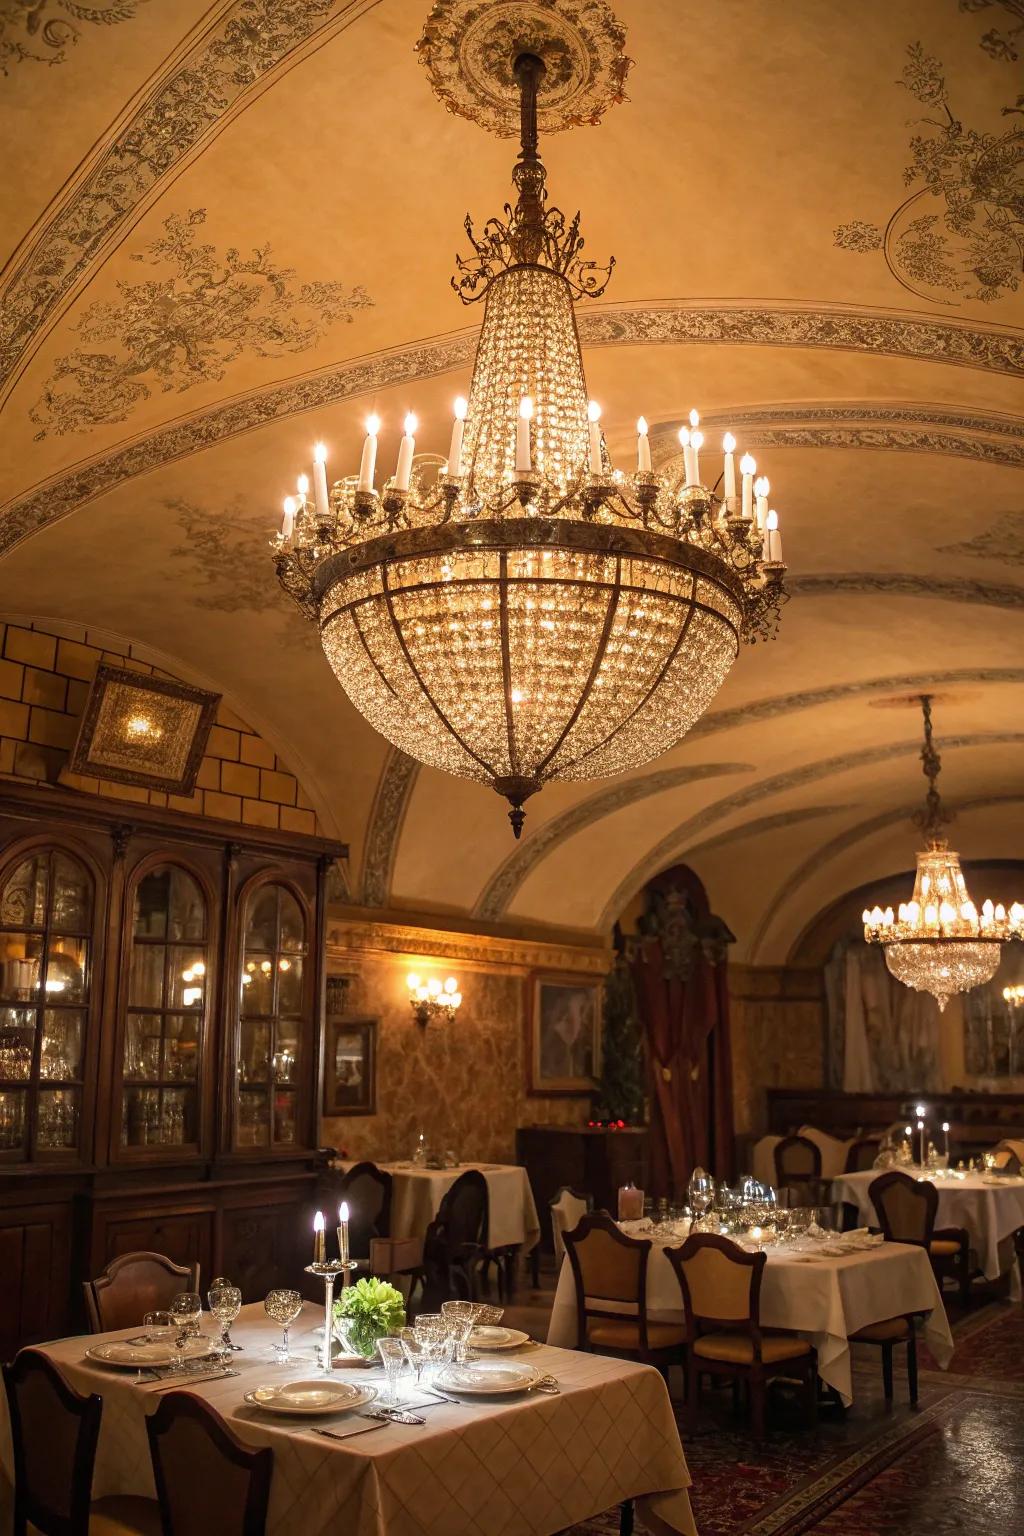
x=469, y=48
x=524, y=610
x=939, y=943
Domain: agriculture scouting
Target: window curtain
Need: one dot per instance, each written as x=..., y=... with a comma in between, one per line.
x=679, y=972
x=884, y=1037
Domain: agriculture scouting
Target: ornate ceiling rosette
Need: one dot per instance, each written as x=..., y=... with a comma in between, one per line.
x=469, y=46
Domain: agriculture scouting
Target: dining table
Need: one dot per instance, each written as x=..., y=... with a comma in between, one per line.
x=822, y=1297
x=989, y=1207
x=417, y=1192
x=523, y=1464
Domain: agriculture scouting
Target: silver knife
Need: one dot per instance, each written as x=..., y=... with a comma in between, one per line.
x=187, y=1381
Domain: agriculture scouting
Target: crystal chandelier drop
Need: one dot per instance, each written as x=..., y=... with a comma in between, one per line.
x=525, y=611
x=939, y=943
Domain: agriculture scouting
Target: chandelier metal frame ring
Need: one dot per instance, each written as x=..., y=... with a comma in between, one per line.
x=523, y=610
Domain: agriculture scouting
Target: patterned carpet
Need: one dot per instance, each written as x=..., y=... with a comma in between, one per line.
x=953, y=1465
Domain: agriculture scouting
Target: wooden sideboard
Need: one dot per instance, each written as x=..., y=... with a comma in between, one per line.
x=596, y=1162
x=161, y=992
x=976, y=1120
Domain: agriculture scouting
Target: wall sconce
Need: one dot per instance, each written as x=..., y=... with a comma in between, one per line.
x=431, y=999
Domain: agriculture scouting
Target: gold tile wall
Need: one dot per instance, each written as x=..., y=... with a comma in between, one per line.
x=777, y=1026
x=44, y=682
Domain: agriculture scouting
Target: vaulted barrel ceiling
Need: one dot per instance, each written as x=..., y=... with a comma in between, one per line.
x=229, y=230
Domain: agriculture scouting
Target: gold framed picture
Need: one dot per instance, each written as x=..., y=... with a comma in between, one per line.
x=138, y=729
x=563, y=1034
x=350, y=1067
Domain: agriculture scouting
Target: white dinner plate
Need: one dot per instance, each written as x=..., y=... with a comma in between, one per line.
x=488, y=1378
x=486, y=1336
x=129, y=1354
x=310, y=1397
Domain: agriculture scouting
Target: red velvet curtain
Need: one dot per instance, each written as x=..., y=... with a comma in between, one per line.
x=679, y=971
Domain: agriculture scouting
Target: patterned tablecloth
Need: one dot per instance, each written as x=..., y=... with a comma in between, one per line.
x=989, y=1212
x=523, y=1466
x=824, y=1299
x=416, y=1194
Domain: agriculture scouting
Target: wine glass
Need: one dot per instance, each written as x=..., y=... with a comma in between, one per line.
x=392, y=1354
x=417, y=1347
x=225, y=1302
x=460, y=1319
x=185, y=1310
x=283, y=1307
x=701, y=1192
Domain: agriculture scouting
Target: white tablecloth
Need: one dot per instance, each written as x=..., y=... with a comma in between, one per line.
x=525, y=1466
x=416, y=1194
x=989, y=1213
x=825, y=1301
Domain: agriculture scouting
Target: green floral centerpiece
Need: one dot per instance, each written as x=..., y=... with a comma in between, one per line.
x=371, y=1309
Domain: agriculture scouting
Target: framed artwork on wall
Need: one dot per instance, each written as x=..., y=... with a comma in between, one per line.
x=350, y=1067
x=563, y=1045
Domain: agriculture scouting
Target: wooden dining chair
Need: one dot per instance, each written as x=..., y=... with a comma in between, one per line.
x=721, y=1289
x=797, y=1161
x=906, y=1209
x=860, y=1157
x=54, y=1431
x=566, y=1206
x=1005, y=1159
x=456, y=1240
x=206, y=1479
x=367, y=1191
x=609, y=1271
x=132, y=1285
x=885, y=1336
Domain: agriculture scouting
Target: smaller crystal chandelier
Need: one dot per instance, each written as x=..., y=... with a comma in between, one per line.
x=939, y=943
x=433, y=999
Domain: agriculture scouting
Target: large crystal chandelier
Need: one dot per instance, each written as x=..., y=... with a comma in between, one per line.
x=525, y=611
x=939, y=943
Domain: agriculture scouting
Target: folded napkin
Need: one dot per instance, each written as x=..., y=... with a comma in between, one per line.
x=631, y=1228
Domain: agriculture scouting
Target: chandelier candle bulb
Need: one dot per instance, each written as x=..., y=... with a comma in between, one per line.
x=945, y=1139
x=748, y=468
x=523, y=459
x=773, y=554
x=343, y=1232
x=761, y=488
x=729, y=472
x=689, y=458
x=302, y=486
x=594, y=417
x=320, y=497
x=406, y=449
x=643, y=448
x=458, y=430
x=288, y=521
x=368, y=459
x=696, y=444
x=319, y=1239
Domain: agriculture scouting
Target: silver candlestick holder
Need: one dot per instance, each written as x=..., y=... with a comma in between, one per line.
x=328, y=1272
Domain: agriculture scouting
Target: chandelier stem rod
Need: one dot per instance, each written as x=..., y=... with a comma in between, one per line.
x=931, y=766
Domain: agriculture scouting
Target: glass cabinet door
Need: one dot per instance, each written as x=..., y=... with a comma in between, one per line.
x=165, y=1012
x=271, y=1015
x=46, y=915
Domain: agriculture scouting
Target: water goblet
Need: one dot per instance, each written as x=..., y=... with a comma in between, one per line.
x=225, y=1302
x=392, y=1354
x=283, y=1307
x=185, y=1310
x=701, y=1192
x=460, y=1318
x=416, y=1347
x=158, y=1326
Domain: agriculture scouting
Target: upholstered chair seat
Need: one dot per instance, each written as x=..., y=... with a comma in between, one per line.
x=739, y=1347
x=625, y=1336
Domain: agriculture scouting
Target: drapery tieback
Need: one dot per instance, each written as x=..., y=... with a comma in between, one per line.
x=666, y=1074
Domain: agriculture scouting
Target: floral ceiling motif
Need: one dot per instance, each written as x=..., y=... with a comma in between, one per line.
x=26, y=26
x=1002, y=540
x=960, y=233
x=188, y=102
x=468, y=48
x=184, y=327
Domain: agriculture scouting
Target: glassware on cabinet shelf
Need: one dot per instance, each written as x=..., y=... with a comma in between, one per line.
x=285, y=1119
x=20, y=966
x=57, y=1119
x=17, y=1036
x=72, y=897
x=65, y=970
x=253, y=1128
x=60, y=1053
x=24, y=900
x=12, y=1119
x=271, y=1006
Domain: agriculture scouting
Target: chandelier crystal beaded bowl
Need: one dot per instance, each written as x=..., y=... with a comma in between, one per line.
x=524, y=611
x=939, y=942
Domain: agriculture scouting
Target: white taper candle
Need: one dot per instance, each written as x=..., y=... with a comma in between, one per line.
x=406, y=449
x=320, y=496
x=368, y=460
x=729, y=472
x=458, y=428
x=748, y=468
x=643, y=448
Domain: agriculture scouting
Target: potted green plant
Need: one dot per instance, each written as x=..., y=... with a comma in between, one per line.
x=372, y=1309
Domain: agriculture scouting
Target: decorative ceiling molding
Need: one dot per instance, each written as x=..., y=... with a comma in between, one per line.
x=384, y=827
x=217, y=72
x=992, y=438
x=25, y=28
x=675, y=844
x=497, y=895
x=502, y=886
x=944, y=342
x=348, y=936
x=848, y=838
x=468, y=48
x=762, y=824
x=952, y=589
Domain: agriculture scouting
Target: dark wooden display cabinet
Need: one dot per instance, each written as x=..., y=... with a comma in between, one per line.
x=161, y=990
